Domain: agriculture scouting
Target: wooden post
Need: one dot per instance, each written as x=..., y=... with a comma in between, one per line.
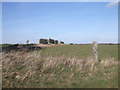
x=95, y=51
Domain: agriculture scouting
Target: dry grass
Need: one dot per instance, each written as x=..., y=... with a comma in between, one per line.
x=20, y=68
x=48, y=45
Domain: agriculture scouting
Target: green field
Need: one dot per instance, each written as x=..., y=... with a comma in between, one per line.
x=66, y=66
x=81, y=51
x=4, y=45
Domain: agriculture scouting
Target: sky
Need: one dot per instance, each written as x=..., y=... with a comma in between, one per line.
x=71, y=22
x=59, y=0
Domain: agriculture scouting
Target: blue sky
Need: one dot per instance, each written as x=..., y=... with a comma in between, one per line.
x=75, y=22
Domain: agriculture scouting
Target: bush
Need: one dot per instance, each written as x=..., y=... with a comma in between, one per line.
x=61, y=42
x=43, y=41
x=51, y=41
x=56, y=41
x=71, y=43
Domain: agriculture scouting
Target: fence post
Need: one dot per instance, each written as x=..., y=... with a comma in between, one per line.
x=95, y=50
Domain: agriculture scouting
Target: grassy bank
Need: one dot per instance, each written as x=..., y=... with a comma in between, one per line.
x=68, y=66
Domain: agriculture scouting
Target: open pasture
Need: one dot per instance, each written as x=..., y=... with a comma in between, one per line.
x=81, y=51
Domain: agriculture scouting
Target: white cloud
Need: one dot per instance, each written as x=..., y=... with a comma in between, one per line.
x=112, y=4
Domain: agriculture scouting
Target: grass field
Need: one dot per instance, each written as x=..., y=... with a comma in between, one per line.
x=4, y=45
x=66, y=66
x=81, y=51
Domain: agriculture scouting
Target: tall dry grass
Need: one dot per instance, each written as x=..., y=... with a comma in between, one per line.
x=24, y=66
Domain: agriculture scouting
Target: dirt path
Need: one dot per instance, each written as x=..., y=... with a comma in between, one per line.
x=48, y=45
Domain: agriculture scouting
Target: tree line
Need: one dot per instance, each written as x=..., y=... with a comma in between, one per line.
x=50, y=41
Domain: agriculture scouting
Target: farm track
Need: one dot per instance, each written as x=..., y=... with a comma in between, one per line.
x=50, y=45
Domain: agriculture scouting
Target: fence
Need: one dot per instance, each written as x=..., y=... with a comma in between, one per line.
x=95, y=50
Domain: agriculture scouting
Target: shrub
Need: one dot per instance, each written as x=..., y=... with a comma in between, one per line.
x=51, y=41
x=71, y=43
x=56, y=41
x=61, y=42
x=43, y=41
